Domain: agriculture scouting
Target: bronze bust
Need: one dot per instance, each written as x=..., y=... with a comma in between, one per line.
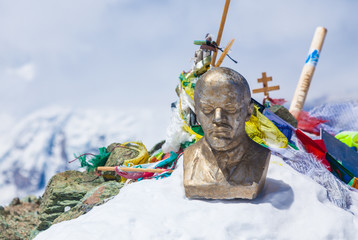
x=225, y=163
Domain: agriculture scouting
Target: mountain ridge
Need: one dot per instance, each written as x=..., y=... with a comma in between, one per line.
x=42, y=144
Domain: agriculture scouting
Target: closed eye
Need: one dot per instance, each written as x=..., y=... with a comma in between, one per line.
x=231, y=110
x=206, y=109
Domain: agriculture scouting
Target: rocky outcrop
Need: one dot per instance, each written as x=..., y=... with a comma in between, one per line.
x=118, y=156
x=94, y=197
x=68, y=195
x=19, y=218
x=65, y=190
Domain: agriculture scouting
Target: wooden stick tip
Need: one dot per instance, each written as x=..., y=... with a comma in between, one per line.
x=321, y=29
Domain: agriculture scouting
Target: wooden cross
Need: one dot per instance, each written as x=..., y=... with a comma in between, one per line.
x=266, y=88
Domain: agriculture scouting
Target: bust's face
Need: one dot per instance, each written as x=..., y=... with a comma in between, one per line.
x=222, y=112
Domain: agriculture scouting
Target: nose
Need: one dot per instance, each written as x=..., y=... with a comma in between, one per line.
x=218, y=115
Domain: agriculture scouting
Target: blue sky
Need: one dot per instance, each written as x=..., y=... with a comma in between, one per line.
x=121, y=54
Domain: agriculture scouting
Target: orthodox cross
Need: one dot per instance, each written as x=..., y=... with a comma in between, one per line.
x=266, y=89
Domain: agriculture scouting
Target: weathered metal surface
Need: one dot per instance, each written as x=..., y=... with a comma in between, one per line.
x=225, y=163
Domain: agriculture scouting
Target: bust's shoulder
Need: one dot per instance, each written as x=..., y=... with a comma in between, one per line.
x=257, y=149
x=261, y=148
x=194, y=150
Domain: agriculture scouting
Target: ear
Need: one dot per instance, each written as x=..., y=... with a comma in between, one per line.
x=250, y=110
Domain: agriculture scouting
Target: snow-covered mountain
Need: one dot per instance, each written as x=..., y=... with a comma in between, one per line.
x=42, y=144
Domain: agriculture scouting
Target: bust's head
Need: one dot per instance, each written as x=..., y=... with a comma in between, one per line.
x=223, y=105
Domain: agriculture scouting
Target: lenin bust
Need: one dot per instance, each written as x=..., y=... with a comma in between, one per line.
x=225, y=163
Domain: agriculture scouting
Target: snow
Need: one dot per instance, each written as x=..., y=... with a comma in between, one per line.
x=6, y=121
x=40, y=145
x=291, y=206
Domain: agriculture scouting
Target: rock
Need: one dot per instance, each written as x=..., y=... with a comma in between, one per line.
x=65, y=189
x=15, y=201
x=68, y=195
x=18, y=219
x=119, y=154
x=117, y=158
x=283, y=113
x=44, y=224
x=95, y=197
x=44, y=217
x=30, y=199
x=52, y=209
x=33, y=234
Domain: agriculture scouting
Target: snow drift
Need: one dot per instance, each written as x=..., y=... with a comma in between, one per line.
x=291, y=206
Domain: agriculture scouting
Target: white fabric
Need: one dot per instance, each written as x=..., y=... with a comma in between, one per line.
x=175, y=133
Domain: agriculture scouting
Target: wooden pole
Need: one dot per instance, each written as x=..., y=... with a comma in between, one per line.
x=307, y=72
x=129, y=169
x=221, y=29
x=223, y=55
